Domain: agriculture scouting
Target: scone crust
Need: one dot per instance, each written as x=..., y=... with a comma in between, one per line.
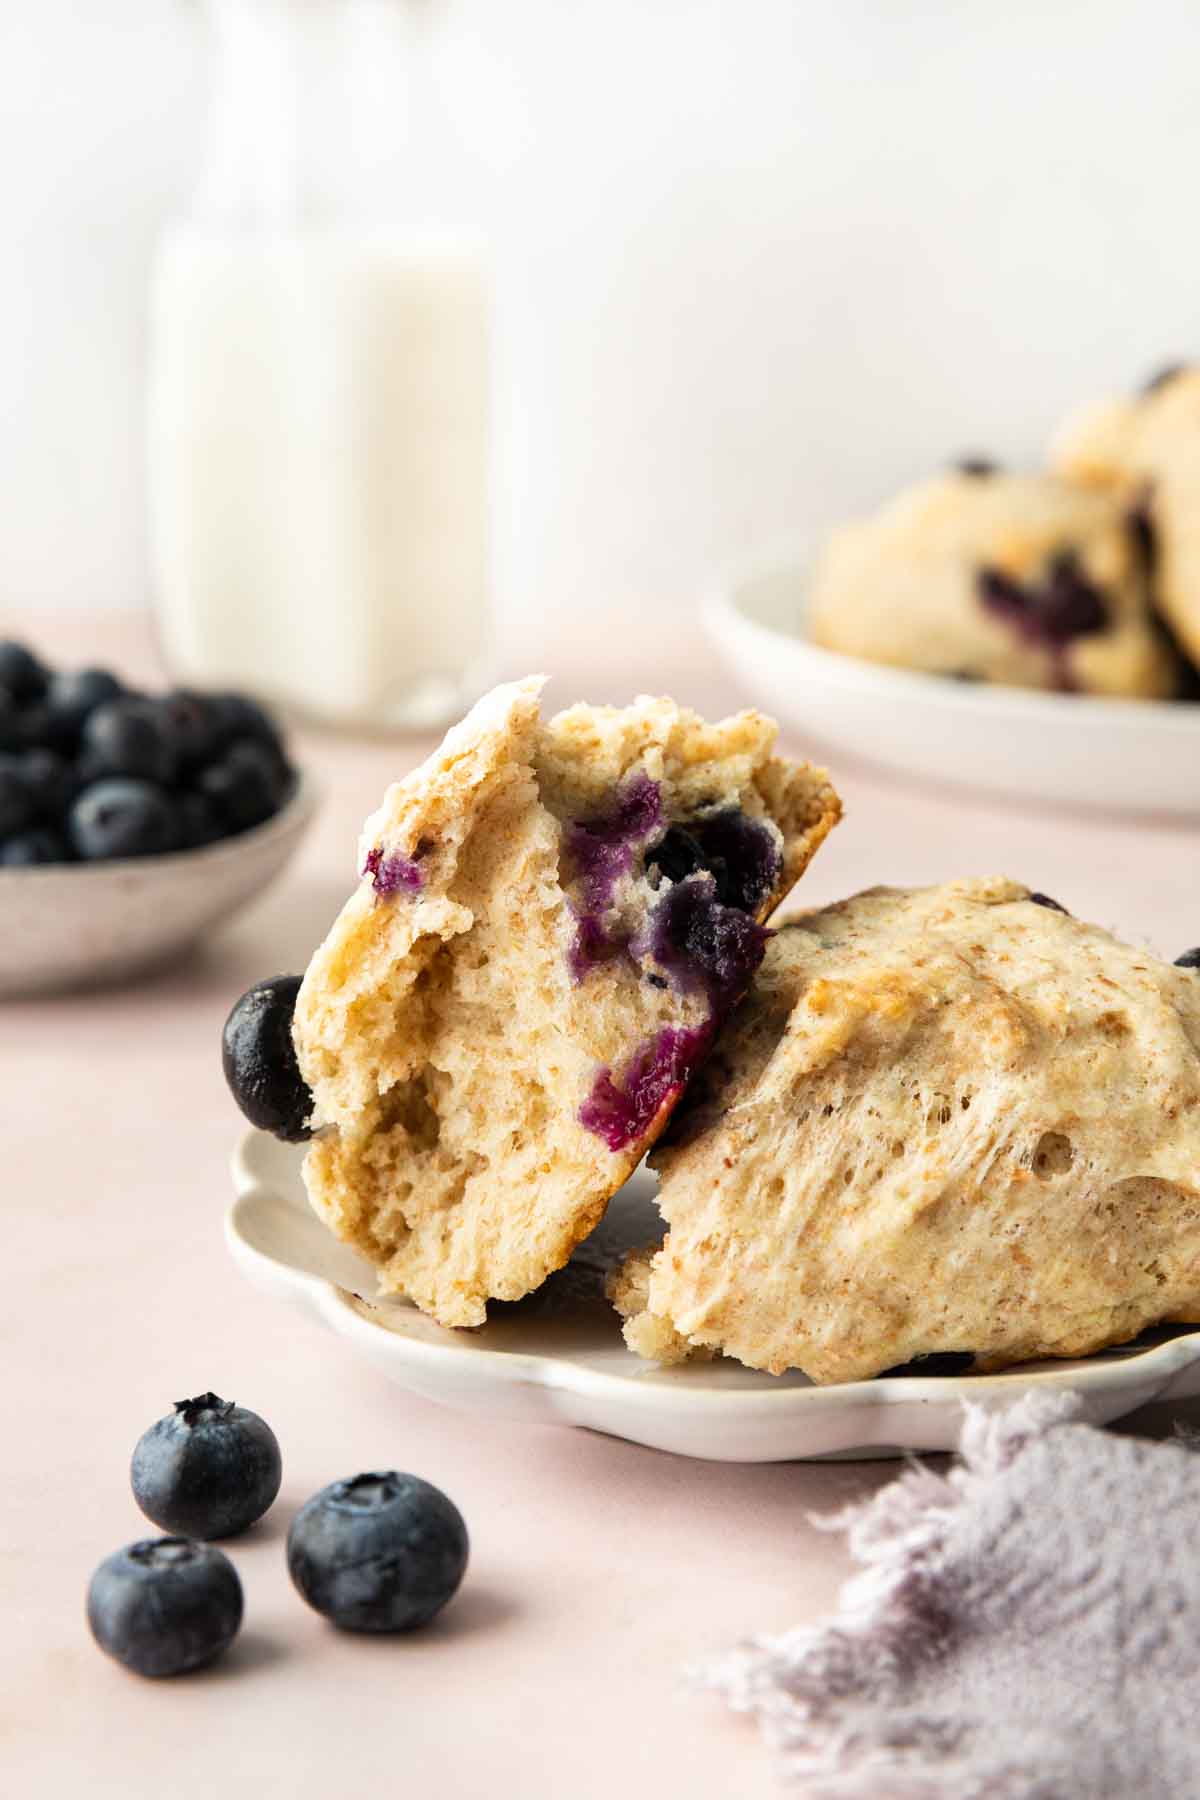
x=903, y=587
x=1144, y=451
x=946, y=1119
x=447, y=1037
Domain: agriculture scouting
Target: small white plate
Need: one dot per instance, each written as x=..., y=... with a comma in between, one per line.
x=1126, y=755
x=558, y=1357
x=79, y=925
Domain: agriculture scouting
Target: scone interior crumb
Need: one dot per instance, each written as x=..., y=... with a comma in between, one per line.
x=511, y=1002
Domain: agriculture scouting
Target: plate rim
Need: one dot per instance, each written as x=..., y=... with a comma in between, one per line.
x=505, y=1368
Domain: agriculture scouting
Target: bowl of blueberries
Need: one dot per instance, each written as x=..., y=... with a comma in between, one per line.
x=130, y=823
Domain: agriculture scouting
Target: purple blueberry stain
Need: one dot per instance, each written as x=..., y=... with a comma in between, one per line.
x=704, y=946
x=1048, y=615
x=599, y=852
x=621, y=1111
x=742, y=855
x=392, y=874
x=701, y=936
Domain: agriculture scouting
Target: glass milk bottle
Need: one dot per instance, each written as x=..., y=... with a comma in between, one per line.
x=319, y=379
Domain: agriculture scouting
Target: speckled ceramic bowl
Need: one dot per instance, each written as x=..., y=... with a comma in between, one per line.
x=76, y=925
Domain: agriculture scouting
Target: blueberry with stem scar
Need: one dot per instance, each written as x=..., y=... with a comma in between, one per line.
x=164, y=1605
x=380, y=1552
x=209, y=1469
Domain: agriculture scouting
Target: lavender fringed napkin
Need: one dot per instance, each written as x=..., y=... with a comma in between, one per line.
x=1024, y=1627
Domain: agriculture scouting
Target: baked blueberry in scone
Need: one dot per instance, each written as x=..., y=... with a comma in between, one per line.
x=978, y=574
x=950, y=1119
x=551, y=921
x=1144, y=452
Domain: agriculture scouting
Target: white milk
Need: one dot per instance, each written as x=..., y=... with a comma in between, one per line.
x=318, y=451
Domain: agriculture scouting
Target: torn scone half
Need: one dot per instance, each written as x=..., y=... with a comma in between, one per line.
x=950, y=1119
x=553, y=918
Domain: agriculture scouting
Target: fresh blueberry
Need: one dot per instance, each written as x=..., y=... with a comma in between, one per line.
x=240, y=717
x=247, y=786
x=164, y=1605
x=207, y=1470
x=48, y=780
x=379, y=1552
x=21, y=672
x=17, y=809
x=198, y=823
x=1046, y=901
x=35, y=728
x=30, y=849
x=11, y=727
x=259, y=1059
x=127, y=737
x=1189, y=960
x=74, y=694
x=195, y=725
x=121, y=818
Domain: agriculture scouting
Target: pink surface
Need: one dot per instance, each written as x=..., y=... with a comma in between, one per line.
x=598, y=1568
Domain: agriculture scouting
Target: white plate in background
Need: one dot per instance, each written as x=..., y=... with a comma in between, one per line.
x=1069, y=749
x=558, y=1357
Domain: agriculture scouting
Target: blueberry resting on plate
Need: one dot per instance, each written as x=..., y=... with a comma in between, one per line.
x=259, y=1059
x=380, y=1552
x=164, y=1605
x=209, y=1469
x=1189, y=960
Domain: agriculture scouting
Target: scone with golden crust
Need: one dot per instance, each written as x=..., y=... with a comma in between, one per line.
x=944, y=1119
x=551, y=921
x=1145, y=450
x=1022, y=579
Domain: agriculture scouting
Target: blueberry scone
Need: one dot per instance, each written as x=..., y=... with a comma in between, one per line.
x=551, y=921
x=1145, y=452
x=950, y=1119
x=1027, y=580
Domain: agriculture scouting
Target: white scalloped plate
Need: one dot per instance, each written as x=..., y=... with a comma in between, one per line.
x=1138, y=756
x=558, y=1357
